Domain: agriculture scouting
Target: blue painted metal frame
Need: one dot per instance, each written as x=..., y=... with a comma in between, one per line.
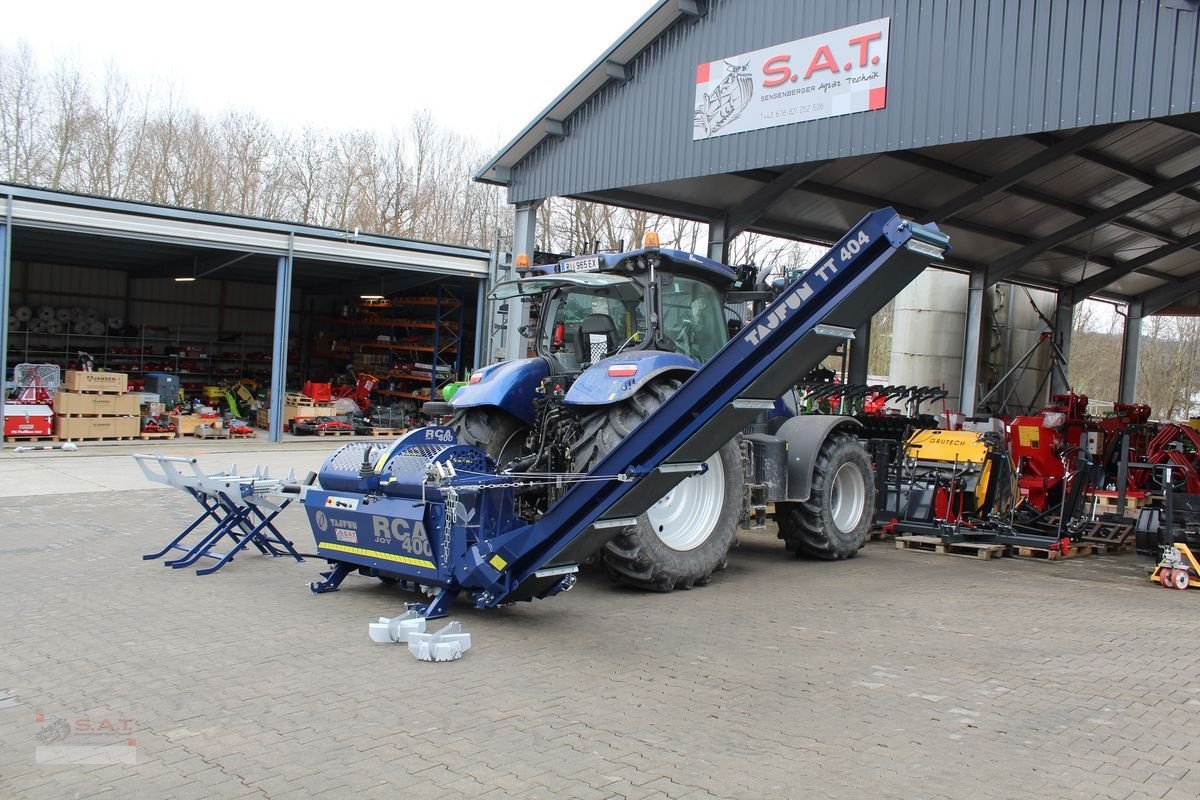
x=279, y=350
x=242, y=524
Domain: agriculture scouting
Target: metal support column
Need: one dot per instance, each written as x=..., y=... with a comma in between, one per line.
x=481, y=337
x=718, y=248
x=1064, y=320
x=860, y=354
x=973, y=342
x=279, y=354
x=524, y=242
x=5, y=282
x=1131, y=347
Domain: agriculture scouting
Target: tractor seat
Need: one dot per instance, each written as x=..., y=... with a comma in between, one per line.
x=597, y=338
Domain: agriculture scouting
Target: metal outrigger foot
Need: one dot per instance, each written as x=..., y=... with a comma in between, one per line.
x=241, y=508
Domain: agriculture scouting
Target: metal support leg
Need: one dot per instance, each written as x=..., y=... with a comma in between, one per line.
x=256, y=537
x=210, y=512
x=333, y=578
x=441, y=604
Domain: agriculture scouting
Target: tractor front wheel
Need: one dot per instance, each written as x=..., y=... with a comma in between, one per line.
x=684, y=537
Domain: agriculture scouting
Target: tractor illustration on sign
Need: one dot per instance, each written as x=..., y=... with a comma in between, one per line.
x=727, y=100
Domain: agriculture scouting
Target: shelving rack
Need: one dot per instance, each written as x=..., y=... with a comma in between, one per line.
x=413, y=344
x=215, y=357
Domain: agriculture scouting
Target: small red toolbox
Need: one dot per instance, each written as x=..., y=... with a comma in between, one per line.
x=28, y=420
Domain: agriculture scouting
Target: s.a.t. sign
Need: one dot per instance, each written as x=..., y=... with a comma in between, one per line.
x=835, y=73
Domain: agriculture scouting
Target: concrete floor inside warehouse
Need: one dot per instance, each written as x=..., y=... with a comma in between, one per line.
x=896, y=674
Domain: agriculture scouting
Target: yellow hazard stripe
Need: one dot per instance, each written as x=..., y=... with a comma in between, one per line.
x=362, y=551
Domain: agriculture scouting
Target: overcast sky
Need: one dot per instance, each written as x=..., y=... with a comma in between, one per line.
x=483, y=69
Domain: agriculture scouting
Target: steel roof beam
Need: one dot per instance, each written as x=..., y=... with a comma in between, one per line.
x=998, y=183
x=1003, y=267
x=1115, y=164
x=1097, y=282
x=838, y=193
x=1156, y=300
x=971, y=176
x=786, y=229
x=742, y=215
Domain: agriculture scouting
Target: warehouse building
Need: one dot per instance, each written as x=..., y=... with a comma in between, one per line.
x=1058, y=143
x=221, y=300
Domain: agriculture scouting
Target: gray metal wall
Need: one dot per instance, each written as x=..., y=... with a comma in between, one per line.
x=959, y=70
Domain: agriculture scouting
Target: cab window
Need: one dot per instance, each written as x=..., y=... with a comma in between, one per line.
x=693, y=317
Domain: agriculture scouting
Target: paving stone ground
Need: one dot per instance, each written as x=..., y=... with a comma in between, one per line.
x=896, y=675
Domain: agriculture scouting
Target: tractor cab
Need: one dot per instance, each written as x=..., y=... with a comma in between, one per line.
x=599, y=306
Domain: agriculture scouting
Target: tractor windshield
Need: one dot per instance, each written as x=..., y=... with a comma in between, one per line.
x=693, y=316
x=583, y=325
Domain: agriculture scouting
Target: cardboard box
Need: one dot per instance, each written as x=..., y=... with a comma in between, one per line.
x=28, y=420
x=96, y=427
x=113, y=405
x=76, y=381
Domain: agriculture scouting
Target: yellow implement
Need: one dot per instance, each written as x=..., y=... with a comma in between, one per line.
x=953, y=447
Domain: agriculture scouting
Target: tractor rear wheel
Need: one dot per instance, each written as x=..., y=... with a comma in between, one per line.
x=833, y=522
x=495, y=432
x=685, y=536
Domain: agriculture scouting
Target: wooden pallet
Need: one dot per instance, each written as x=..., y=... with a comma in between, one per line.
x=1076, y=550
x=94, y=391
x=250, y=435
x=932, y=544
x=148, y=435
x=1110, y=548
x=879, y=536
x=49, y=438
x=385, y=432
x=102, y=438
x=297, y=399
x=300, y=432
x=95, y=416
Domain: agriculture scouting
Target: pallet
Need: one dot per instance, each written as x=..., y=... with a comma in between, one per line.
x=93, y=391
x=879, y=536
x=1046, y=554
x=102, y=438
x=48, y=438
x=297, y=399
x=148, y=435
x=982, y=551
x=250, y=435
x=95, y=416
x=384, y=432
x=300, y=432
x=1110, y=548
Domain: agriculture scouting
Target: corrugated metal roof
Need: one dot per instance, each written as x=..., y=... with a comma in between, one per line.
x=975, y=89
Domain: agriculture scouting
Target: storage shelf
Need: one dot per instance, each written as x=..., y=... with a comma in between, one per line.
x=409, y=395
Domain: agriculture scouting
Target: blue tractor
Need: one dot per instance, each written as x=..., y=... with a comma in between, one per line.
x=616, y=335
